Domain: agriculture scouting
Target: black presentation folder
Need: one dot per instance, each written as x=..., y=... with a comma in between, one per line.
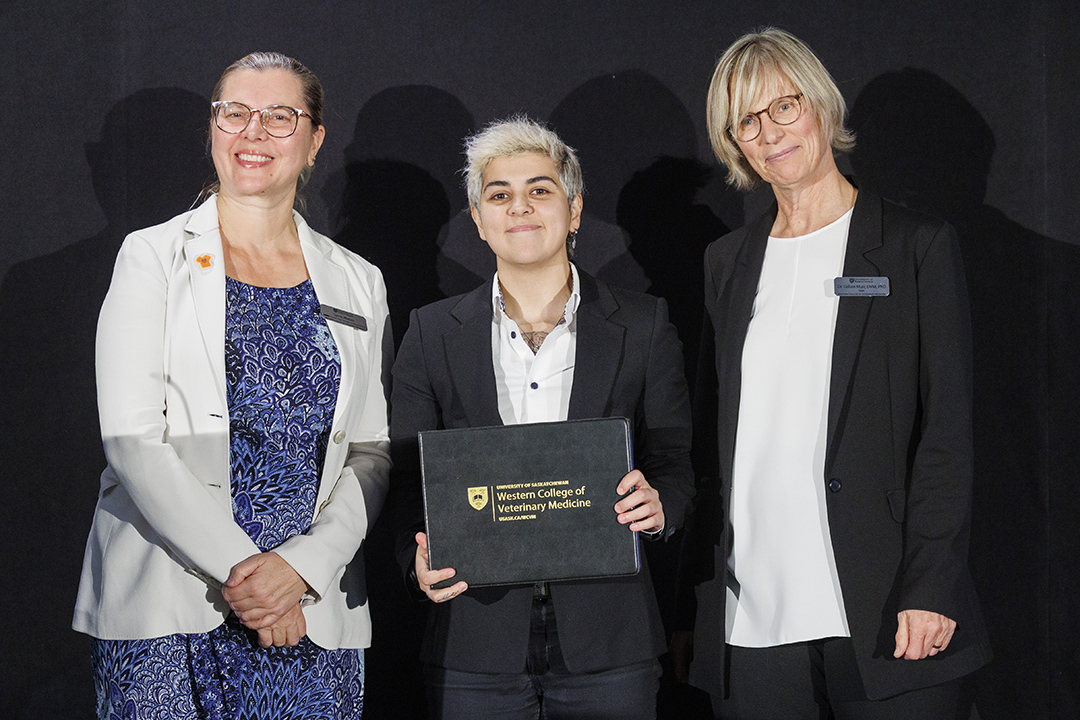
x=523, y=503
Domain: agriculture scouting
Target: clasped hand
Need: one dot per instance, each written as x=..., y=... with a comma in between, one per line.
x=641, y=510
x=265, y=592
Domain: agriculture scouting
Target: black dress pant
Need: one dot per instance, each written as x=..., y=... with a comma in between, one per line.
x=545, y=689
x=819, y=680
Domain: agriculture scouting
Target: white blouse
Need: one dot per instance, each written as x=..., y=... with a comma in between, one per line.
x=783, y=585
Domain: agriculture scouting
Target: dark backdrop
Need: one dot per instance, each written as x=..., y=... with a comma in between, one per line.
x=965, y=108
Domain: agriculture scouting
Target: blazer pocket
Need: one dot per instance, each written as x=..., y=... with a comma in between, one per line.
x=897, y=503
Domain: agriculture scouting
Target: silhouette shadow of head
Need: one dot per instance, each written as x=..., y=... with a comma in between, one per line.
x=638, y=149
x=150, y=161
x=621, y=124
x=398, y=188
x=147, y=165
x=921, y=143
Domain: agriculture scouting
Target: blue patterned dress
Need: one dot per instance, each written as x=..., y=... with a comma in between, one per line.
x=283, y=374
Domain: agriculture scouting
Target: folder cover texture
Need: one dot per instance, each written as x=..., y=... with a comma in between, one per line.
x=522, y=503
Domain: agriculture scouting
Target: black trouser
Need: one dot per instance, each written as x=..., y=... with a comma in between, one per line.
x=547, y=689
x=819, y=680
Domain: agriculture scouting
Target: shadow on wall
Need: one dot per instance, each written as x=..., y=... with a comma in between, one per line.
x=619, y=125
x=921, y=143
x=398, y=188
x=669, y=231
x=49, y=436
x=638, y=148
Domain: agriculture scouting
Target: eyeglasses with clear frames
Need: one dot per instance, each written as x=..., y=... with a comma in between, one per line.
x=782, y=111
x=279, y=121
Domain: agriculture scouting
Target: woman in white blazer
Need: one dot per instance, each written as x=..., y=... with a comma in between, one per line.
x=240, y=370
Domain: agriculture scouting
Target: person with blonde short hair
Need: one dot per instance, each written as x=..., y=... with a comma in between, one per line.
x=541, y=341
x=519, y=135
x=826, y=571
x=743, y=72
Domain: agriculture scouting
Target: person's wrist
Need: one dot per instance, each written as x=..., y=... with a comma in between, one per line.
x=654, y=534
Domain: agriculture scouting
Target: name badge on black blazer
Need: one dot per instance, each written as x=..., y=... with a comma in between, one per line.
x=861, y=286
x=343, y=317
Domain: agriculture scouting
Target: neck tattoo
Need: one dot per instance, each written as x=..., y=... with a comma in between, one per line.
x=535, y=338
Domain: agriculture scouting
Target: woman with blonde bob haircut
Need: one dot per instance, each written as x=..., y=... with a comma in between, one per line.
x=740, y=75
x=826, y=572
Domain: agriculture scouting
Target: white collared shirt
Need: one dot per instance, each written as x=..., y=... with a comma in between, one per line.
x=534, y=388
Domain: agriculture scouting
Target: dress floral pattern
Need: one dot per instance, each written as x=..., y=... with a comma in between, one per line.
x=283, y=373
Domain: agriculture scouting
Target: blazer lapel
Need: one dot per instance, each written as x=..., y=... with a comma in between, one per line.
x=468, y=358
x=206, y=269
x=599, y=350
x=735, y=305
x=329, y=280
x=864, y=236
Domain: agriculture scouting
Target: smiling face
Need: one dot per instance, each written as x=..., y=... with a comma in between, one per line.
x=251, y=163
x=788, y=156
x=524, y=214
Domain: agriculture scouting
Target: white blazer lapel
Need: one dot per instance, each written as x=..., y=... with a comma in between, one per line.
x=206, y=268
x=331, y=284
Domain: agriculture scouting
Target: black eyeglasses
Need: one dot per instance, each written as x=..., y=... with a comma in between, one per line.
x=278, y=120
x=782, y=111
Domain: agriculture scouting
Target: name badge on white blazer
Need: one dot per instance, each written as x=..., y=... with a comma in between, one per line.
x=861, y=286
x=344, y=317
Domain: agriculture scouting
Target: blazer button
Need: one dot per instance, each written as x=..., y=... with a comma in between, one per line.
x=339, y=436
x=834, y=485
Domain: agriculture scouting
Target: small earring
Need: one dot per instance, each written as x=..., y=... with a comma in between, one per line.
x=573, y=240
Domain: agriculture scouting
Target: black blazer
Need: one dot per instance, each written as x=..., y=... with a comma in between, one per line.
x=898, y=463
x=628, y=364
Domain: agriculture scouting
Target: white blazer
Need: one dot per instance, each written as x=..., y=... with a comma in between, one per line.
x=163, y=538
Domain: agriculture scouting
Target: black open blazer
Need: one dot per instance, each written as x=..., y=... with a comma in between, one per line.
x=898, y=463
x=628, y=364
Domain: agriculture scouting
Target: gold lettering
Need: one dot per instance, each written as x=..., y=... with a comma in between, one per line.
x=568, y=503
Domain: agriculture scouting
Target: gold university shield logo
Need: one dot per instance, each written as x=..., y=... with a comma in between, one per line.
x=478, y=497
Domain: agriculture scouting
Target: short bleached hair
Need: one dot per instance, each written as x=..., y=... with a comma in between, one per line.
x=747, y=67
x=519, y=135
